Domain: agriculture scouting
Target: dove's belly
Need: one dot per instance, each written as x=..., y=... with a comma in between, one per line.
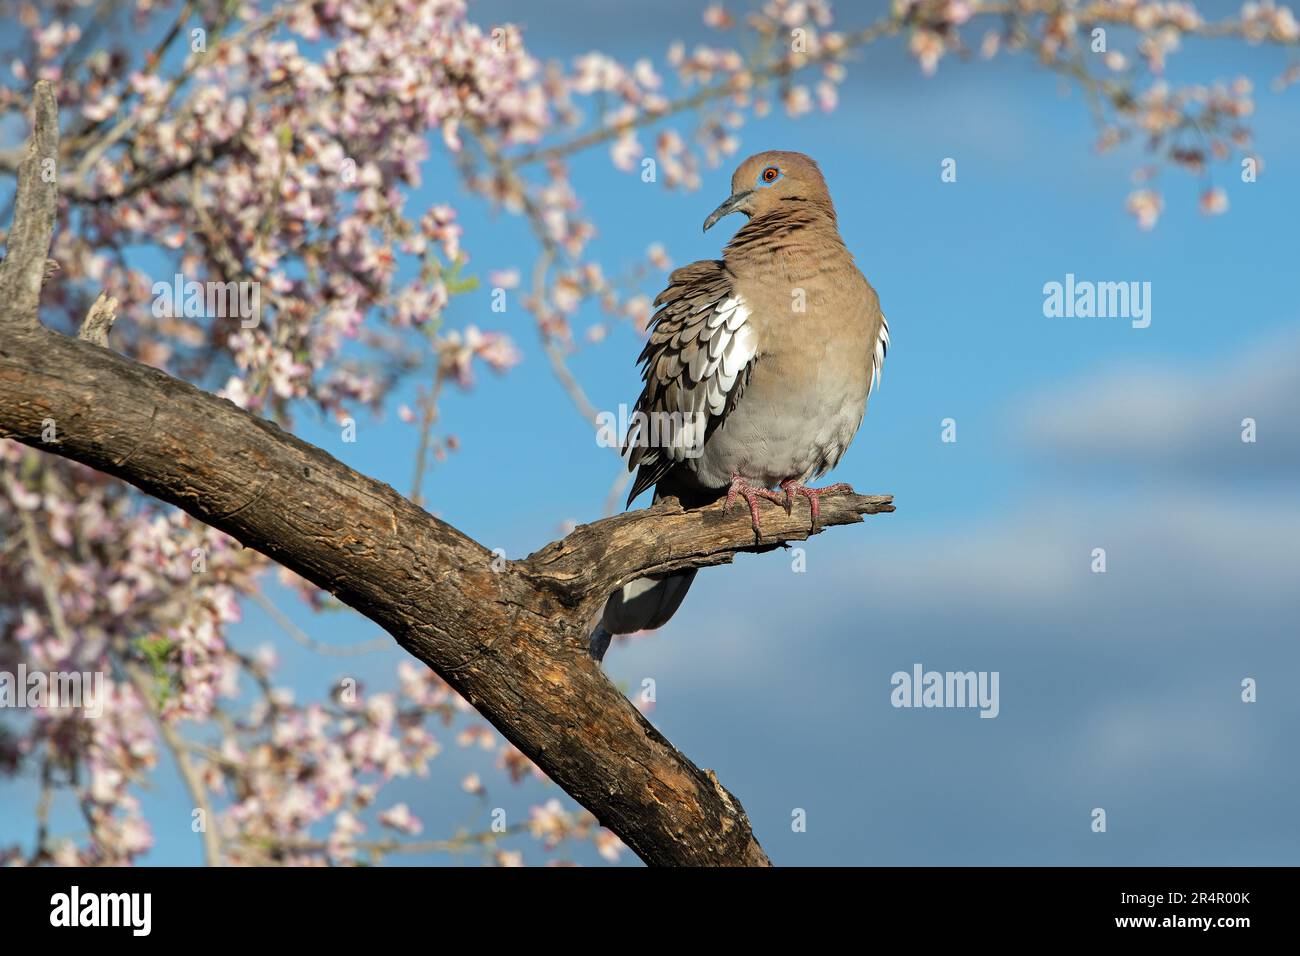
x=787, y=429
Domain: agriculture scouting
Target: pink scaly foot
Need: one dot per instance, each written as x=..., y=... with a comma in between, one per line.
x=739, y=486
x=792, y=488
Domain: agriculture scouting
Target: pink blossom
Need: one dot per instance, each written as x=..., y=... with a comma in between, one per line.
x=400, y=818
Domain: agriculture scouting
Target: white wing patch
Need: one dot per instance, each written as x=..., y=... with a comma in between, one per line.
x=724, y=344
x=882, y=347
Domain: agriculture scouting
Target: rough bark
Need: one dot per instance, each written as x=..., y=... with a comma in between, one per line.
x=511, y=639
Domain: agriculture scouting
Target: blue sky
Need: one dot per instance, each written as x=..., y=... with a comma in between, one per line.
x=1120, y=690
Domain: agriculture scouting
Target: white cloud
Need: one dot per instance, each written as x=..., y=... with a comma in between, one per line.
x=1182, y=418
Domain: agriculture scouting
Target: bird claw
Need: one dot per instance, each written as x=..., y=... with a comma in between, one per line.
x=739, y=486
x=792, y=488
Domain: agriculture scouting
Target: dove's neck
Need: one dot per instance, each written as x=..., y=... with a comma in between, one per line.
x=796, y=240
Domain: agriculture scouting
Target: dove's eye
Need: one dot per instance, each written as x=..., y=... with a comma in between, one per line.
x=770, y=174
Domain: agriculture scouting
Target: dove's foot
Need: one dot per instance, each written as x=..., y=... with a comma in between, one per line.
x=792, y=488
x=751, y=494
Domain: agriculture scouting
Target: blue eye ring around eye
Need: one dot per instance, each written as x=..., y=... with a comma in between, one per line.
x=763, y=181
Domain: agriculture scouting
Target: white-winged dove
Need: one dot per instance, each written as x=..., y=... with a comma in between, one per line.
x=757, y=370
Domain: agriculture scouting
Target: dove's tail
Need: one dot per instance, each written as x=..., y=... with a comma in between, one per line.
x=648, y=603
x=641, y=605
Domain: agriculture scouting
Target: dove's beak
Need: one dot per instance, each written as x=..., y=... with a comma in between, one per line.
x=733, y=204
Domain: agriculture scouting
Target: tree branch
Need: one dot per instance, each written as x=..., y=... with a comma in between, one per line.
x=594, y=559
x=511, y=640
x=36, y=205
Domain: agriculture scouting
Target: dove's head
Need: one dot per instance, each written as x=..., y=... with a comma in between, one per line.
x=773, y=180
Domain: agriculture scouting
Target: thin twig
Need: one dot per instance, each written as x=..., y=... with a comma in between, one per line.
x=189, y=772
x=306, y=640
x=427, y=421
